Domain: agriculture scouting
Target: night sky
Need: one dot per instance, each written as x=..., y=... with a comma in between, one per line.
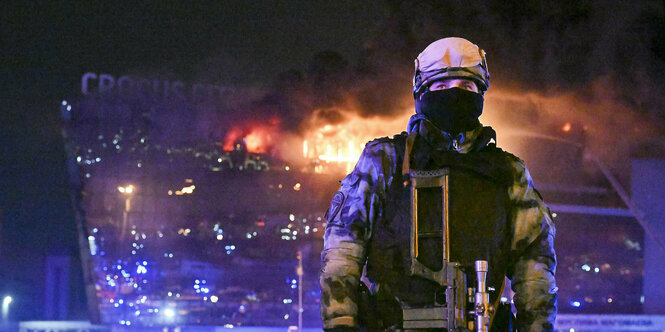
x=542, y=46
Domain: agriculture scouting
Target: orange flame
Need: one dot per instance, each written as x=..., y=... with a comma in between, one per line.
x=515, y=115
x=231, y=137
x=257, y=138
x=566, y=127
x=342, y=143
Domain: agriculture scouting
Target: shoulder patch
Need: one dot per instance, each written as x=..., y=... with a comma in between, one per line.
x=335, y=206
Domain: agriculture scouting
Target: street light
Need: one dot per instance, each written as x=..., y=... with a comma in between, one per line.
x=300, y=272
x=127, y=191
x=5, y=308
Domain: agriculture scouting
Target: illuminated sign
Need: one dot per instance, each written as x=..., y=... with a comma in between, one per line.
x=127, y=85
x=568, y=322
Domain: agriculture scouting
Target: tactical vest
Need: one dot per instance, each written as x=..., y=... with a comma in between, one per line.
x=479, y=222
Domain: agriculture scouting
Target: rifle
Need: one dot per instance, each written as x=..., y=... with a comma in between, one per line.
x=453, y=313
x=463, y=308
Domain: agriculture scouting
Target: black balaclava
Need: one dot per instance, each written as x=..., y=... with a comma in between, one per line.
x=453, y=110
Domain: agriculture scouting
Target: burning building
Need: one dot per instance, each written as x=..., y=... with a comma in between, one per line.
x=230, y=184
x=208, y=232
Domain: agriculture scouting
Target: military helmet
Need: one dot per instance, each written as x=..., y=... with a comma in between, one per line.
x=451, y=57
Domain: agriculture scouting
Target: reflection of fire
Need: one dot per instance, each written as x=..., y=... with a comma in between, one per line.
x=258, y=138
x=343, y=142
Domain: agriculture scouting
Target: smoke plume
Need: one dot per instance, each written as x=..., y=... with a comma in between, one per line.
x=597, y=64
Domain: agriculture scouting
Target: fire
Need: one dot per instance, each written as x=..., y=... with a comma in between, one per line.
x=566, y=127
x=334, y=143
x=343, y=143
x=257, y=138
x=231, y=137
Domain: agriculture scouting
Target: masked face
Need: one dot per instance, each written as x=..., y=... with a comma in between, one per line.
x=453, y=105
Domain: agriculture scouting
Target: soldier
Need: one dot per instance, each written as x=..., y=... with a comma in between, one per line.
x=494, y=211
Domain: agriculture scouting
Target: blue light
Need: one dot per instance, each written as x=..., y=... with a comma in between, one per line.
x=575, y=304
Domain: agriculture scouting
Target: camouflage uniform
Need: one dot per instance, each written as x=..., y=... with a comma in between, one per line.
x=358, y=204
